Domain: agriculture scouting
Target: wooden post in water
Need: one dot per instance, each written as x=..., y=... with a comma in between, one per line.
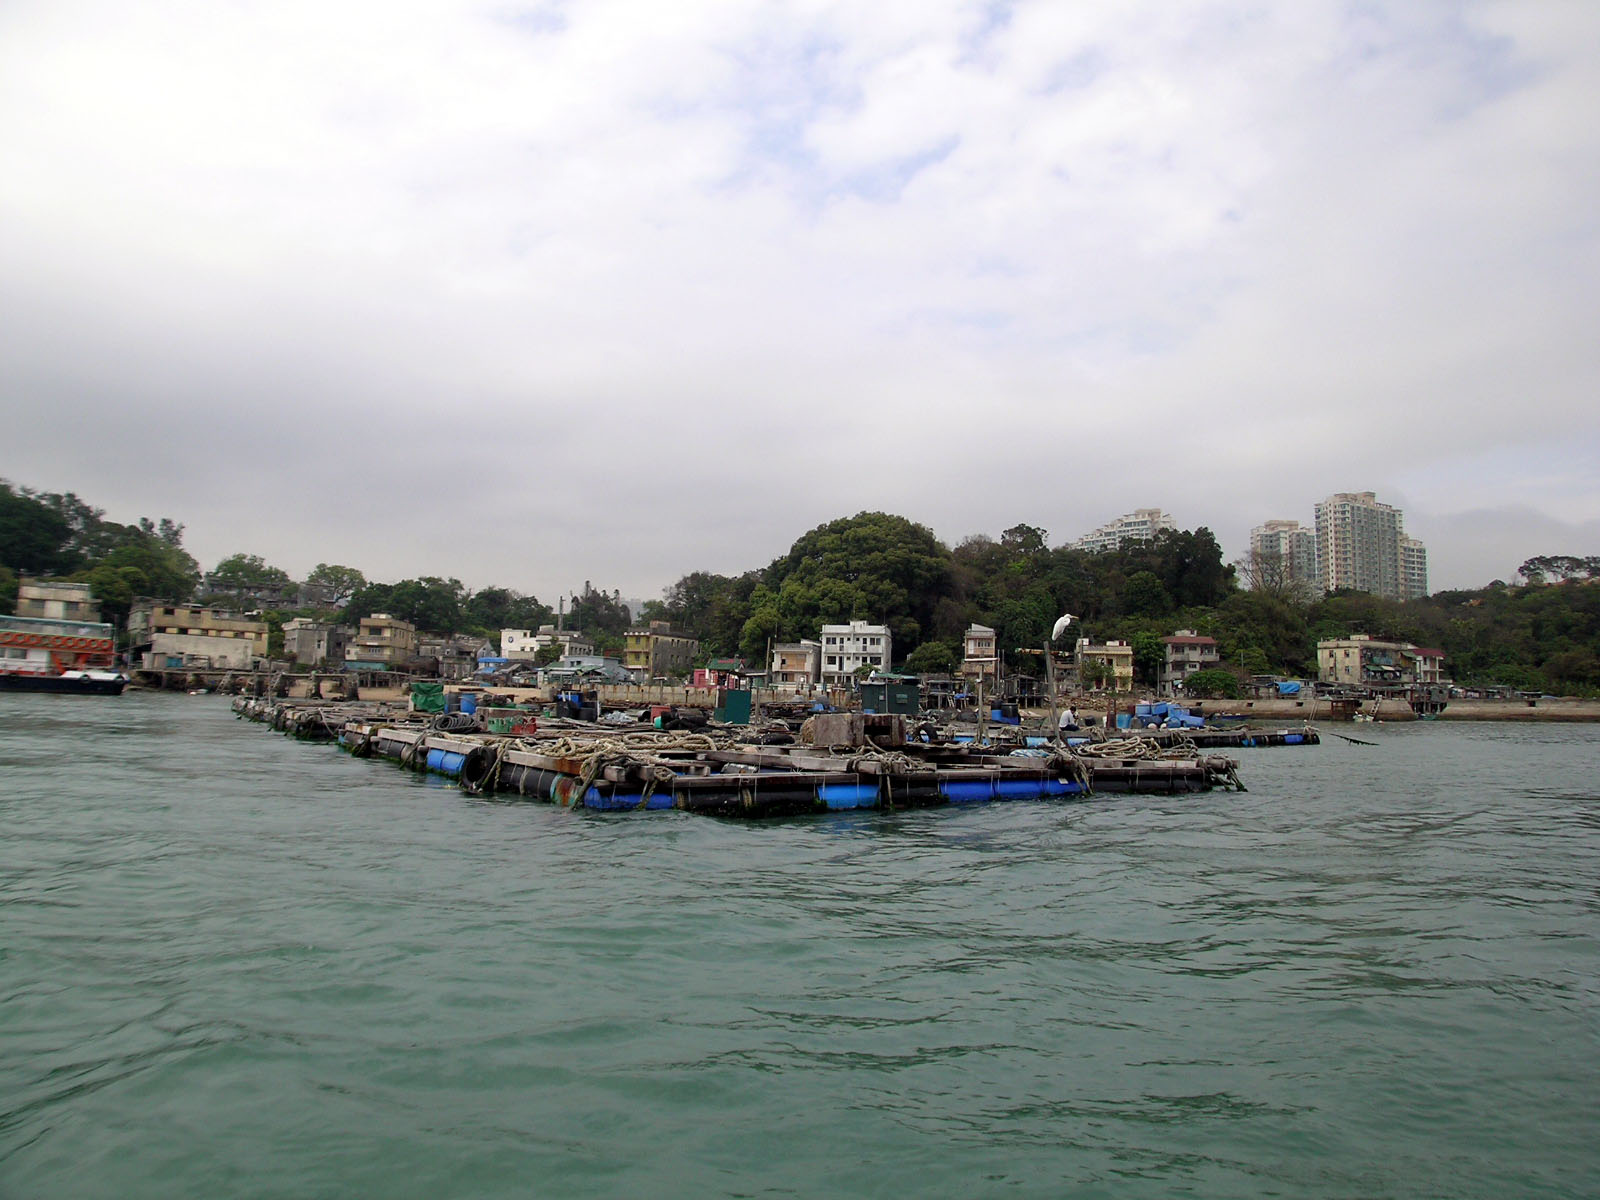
x=1050, y=684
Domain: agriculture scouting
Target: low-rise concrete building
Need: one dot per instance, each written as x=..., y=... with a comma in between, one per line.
x=381, y=643
x=1363, y=661
x=1117, y=655
x=796, y=664
x=657, y=650
x=584, y=669
x=456, y=654
x=849, y=647
x=525, y=644
x=166, y=636
x=980, y=656
x=1185, y=653
x=315, y=643
x=56, y=600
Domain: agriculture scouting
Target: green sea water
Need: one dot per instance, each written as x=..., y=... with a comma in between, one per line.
x=232, y=964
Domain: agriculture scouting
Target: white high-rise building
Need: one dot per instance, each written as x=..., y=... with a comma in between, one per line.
x=1413, y=569
x=1362, y=545
x=1141, y=525
x=1286, y=551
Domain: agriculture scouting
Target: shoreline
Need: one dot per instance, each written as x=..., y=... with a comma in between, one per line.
x=1543, y=710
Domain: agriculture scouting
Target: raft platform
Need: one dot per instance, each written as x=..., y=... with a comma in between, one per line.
x=1241, y=737
x=727, y=771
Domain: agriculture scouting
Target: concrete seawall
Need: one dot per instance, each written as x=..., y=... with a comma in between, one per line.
x=1558, y=709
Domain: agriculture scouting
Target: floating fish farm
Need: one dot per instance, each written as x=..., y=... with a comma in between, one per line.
x=835, y=762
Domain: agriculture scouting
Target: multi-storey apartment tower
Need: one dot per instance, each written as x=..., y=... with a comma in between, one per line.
x=1362, y=545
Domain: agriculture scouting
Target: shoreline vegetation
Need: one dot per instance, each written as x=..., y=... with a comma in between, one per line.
x=1540, y=635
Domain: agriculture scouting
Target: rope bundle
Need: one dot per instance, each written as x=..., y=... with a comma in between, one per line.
x=640, y=750
x=1140, y=748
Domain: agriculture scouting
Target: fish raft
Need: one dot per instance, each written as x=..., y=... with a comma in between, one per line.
x=839, y=762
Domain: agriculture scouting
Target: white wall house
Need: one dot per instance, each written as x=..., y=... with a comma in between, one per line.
x=846, y=648
x=525, y=643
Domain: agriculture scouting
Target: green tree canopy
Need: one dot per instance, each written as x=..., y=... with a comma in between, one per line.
x=1146, y=596
x=241, y=576
x=601, y=615
x=495, y=608
x=1547, y=568
x=430, y=603
x=340, y=582
x=1149, y=656
x=33, y=536
x=164, y=571
x=933, y=658
x=1213, y=684
x=872, y=566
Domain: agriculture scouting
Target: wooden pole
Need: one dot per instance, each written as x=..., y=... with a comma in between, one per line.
x=1050, y=685
x=983, y=715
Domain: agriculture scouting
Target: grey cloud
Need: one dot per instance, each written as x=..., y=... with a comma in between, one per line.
x=596, y=287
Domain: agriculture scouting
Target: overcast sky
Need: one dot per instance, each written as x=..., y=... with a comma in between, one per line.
x=618, y=290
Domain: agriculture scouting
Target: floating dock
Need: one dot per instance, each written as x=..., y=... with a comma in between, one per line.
x=844, y=762
x=1243, y=736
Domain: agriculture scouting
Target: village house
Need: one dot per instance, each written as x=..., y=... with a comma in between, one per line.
x=523, y=645
x=56, y=600
x=980, y=658
x=1363, y=661
x=1185, y=652
x=266, y=595
x=573, y=669
x=849, y=647
x=457, y=655
x=796, y=665
x=382, y=643
x=657, y=650
x=721, y=673
x=315, y=643
x=169, y=636
x=1117, y=655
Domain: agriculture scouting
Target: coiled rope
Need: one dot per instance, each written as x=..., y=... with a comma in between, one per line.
x=640, y=751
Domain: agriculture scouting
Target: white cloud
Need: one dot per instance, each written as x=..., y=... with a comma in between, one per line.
x=1054, y=261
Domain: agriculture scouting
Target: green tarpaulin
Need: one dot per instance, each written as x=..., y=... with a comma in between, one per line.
x=427, y=697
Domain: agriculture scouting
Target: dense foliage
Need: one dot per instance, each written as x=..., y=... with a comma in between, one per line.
x=601, y=615
x=1215, y=684
x=237, y=578
x=446, y=606
x=50, y=533
x=1538, y=636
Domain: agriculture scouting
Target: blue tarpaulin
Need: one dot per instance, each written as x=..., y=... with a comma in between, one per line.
x=1288, y=687
x=1174, y=715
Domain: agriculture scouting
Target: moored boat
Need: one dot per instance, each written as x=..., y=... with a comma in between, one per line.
x=43, y=654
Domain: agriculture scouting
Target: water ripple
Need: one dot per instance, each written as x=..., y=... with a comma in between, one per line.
x=236, y=964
